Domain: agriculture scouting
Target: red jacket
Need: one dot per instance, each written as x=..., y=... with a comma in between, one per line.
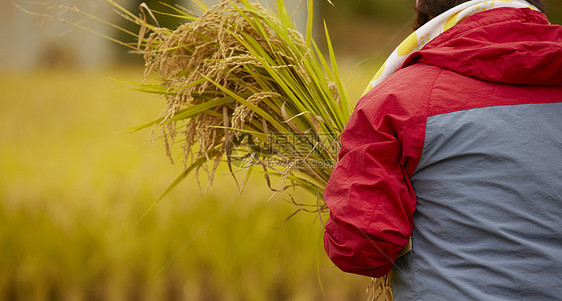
x=498, y=58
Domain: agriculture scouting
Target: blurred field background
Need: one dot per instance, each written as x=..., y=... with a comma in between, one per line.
x=73, y=184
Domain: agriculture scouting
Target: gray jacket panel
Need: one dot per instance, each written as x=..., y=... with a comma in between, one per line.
x=488, y=220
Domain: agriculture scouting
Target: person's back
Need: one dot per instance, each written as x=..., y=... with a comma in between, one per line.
x=475, y=119
x=488, y=184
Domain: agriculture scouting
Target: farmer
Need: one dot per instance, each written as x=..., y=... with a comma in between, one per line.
x=458, y=145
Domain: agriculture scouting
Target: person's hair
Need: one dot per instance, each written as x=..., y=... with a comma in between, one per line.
x=428, y=9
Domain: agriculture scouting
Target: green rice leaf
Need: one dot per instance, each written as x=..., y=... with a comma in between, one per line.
x=310, y=8
x=180, y=179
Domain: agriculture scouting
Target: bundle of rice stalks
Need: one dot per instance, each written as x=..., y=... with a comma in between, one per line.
x=243, y=87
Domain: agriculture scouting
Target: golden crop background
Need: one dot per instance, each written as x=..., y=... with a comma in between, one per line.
x=73, y=186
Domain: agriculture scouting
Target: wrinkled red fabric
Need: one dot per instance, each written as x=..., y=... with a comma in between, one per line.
x=515, y=46
x=369, y=194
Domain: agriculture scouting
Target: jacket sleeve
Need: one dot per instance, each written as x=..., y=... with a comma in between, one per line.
x=369, y=194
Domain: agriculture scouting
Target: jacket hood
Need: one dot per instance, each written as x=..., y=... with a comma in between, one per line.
x=507, y=45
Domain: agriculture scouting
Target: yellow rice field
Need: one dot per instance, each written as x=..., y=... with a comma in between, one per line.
x=73, y=185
